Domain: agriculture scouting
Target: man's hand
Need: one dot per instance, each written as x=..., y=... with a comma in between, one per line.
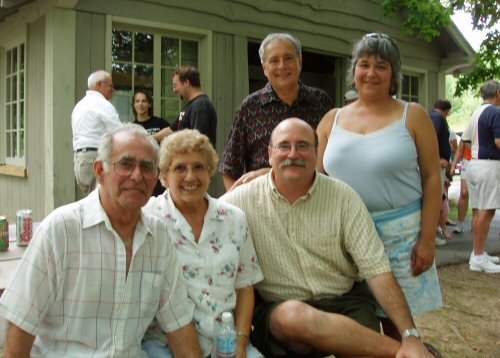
x=413, y=348
x=18, y=344
x=184, y=342
x=248, y=177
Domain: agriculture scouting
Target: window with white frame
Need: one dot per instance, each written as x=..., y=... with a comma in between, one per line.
x=146, y=60
x=410, y=88
x=12, y=115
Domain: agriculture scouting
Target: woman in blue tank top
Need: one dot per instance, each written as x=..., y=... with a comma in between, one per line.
x=386, y=149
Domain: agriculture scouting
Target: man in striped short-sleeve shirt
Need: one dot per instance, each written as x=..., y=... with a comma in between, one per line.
x=315, y=241
x=99, y=270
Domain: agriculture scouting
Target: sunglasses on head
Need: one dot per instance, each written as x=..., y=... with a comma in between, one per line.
x=380, y=35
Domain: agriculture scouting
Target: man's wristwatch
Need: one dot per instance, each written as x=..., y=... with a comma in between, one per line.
x=410, y=332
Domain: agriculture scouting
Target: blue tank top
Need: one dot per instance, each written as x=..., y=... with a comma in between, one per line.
x=382, y=166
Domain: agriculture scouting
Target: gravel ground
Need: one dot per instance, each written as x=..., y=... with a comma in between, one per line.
x=468, y=325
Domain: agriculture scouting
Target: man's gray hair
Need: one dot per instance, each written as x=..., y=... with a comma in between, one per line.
x=279, y=36
x=105, y=150
x=96, y=77
x=489, y=89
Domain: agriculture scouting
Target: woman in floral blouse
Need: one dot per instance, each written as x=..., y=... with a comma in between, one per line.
x=213, y=243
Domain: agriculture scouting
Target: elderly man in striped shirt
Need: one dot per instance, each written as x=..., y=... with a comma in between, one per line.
x=99, y=270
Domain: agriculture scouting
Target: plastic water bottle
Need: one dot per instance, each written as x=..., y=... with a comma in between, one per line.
x=225, y=337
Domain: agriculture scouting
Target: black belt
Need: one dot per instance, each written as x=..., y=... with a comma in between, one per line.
x=85, y=150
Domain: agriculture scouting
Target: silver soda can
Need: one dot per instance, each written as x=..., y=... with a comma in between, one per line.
x=24, y=227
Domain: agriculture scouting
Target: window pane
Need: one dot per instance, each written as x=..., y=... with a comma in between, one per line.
x=123, y=103
x=166, y=83
x=14, y=144
x=8, y=64
x=14, y=59
x=8, y=89
x=414, y=86
x=21, y=144
x=122, y=45
x=169, y=52
x=405, y=98
x=21, y=86
x=405, y=85
x=143, y=47
x=9, y=145
x=172, y=109
x=21, y=115
x=14, y=88
x=8, y=117
x=190, y=53
x=14, y=116
x=22, y=57
x=143, y=77
x=122, y=77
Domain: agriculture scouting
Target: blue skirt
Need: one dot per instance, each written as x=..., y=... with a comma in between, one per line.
x=399, y=230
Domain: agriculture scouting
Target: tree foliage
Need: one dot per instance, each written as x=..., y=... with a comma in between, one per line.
x=462, y=106
x=426, y=19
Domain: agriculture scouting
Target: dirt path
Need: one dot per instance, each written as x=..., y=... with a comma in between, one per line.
x=468, y=326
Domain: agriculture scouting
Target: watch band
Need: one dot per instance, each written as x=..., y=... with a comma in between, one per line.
x=410, y=332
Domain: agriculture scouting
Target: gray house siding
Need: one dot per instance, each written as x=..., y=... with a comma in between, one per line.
x=15, y=192
x=67, y=40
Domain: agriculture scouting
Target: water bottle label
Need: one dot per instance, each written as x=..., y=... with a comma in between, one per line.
x=226, y=347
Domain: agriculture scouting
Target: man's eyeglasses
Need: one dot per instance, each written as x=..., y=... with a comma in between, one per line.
x=125, y=168
x=285, y=148
x=196, y=169
x=380, y=35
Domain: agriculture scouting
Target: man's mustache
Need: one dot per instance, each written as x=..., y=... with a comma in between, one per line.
x=294, y=162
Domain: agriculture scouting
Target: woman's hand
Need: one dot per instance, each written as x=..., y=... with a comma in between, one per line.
x=242, y=347
x=422, y=257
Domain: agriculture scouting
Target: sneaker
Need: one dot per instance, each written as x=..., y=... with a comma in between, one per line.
x=445, y=235
x=440, y=242
x=459, y=228
x=483, y=266
x=494, y=259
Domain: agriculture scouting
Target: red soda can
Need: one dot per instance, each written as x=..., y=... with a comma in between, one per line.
x=4, y=233
x=24, y=227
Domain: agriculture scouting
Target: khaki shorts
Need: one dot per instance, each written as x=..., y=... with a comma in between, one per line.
x=84, y=170
x=483, y=179
x=358, y=304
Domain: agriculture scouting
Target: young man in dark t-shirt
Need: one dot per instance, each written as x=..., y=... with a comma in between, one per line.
x=199, y=112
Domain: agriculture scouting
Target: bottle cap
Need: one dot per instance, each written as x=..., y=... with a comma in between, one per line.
x=227, y=317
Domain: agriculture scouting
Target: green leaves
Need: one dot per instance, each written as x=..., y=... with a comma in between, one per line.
x=426, y=19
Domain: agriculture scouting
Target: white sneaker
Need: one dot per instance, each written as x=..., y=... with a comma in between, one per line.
x=494, y=259
x=459, y=227
x=440, y=242
x=483, y=266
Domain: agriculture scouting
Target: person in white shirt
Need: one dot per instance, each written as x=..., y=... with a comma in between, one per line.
x=91, y=118
x=99, y=270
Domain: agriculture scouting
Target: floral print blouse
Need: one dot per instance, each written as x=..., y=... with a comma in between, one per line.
x=222, y=261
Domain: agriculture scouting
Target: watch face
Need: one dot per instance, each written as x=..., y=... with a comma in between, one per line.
x=411, y=332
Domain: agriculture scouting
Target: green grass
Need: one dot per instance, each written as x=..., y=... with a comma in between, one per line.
x=453, y=215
